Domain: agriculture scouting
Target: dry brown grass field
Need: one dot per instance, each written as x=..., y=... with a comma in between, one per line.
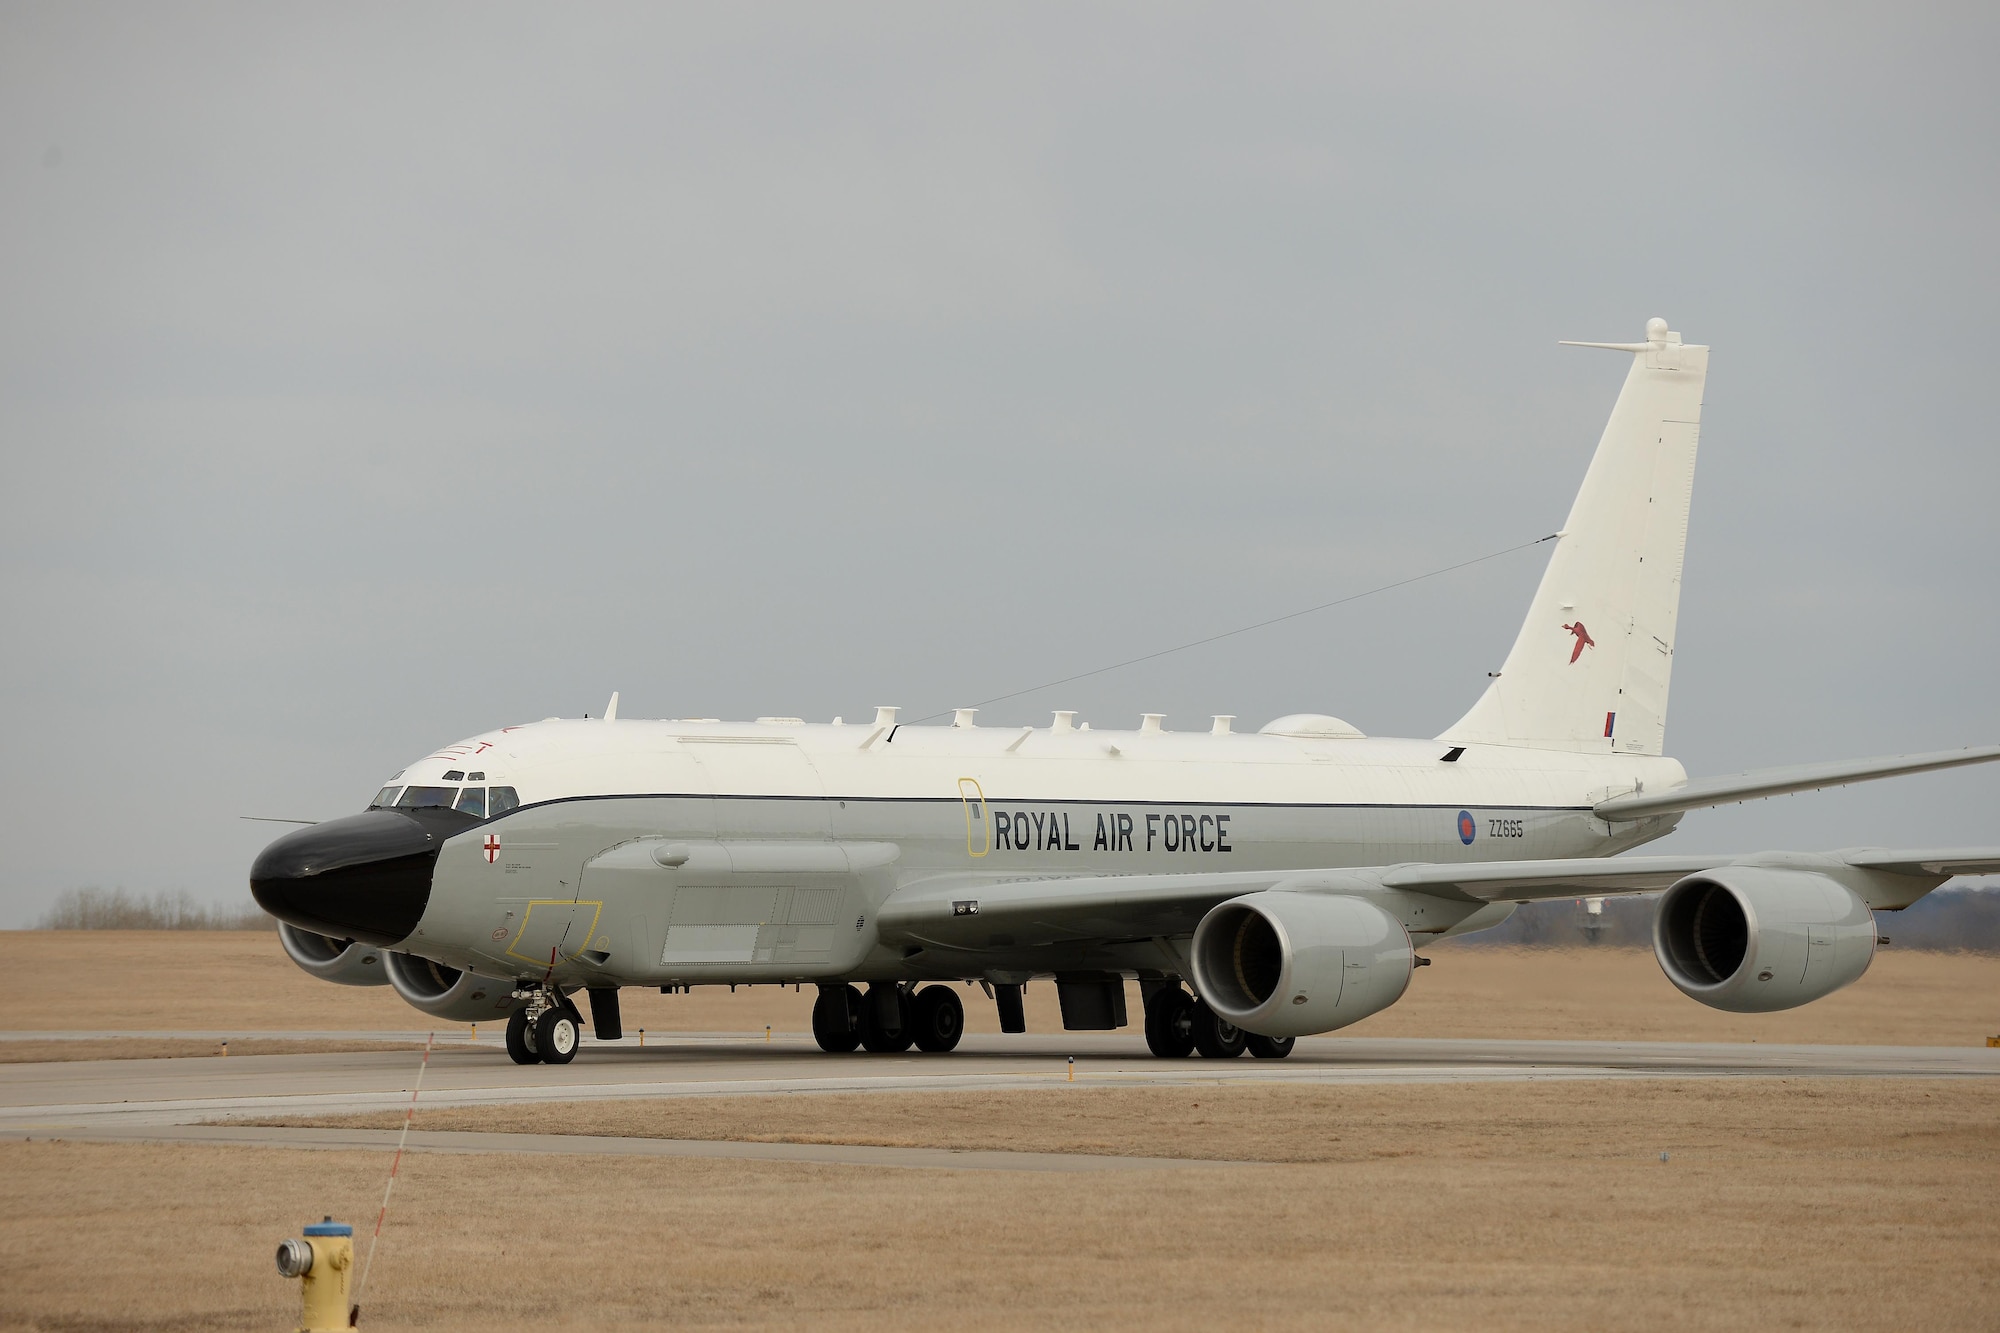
x=241, y=981
x=1859, y=1204
x=1797, y=1203
x=30, y=1051
x=1285, y=1123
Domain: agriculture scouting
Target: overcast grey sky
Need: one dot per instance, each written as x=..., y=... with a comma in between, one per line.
x=374, y=375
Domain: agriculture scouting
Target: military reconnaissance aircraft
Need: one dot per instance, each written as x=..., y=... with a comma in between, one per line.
x=1288, y=876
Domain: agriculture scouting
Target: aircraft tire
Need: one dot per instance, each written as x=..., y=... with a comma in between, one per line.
x=938, y=1019
x=1170, y=1023
x=521, y=1039
x=832, y=1035
x=1269, y=1048
x=1214, y=1037
x=557, y=1036
x=886, y=1040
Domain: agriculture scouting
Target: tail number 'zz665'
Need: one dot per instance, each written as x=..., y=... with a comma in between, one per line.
x=1504, y=828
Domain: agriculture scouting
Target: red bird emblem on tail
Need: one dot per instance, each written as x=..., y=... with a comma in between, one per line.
x=1583, y=640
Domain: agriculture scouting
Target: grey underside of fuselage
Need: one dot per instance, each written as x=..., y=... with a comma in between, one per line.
x=574, y=885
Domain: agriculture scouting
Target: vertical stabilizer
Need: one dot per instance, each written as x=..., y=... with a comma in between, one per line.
x=1590, y=668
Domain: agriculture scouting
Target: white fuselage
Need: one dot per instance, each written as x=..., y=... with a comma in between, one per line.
x=791, y=835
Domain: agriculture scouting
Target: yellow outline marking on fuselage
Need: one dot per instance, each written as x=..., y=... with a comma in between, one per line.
x=528, y=914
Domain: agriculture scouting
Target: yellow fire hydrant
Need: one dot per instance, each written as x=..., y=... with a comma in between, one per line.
x=324, y=1265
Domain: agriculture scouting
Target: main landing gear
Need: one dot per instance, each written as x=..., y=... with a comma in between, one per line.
x=1178, y=1025
x=892, y=1017
x=888, y=1018
x=544, y=1028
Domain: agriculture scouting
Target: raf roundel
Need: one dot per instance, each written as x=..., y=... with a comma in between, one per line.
x=1466, y=827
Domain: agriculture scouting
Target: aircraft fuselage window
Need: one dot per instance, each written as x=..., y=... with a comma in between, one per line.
x=475, y=777
x=424, y=798
x=472, y=801
x=499, y=800
x=456, y=775
x=385, y=797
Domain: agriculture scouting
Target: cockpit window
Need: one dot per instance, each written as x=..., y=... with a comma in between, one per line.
x=456, y=775
x=472, y=801
x=385, y=797
x=475, y=777
x=499, y=800
x=424, y=798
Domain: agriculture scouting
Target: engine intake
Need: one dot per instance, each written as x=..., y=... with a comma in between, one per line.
x=1290, y=964
x=343, y=962
x=1752, y=939
x=446, y=992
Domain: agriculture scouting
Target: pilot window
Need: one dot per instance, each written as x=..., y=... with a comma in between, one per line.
x=472, y=801
x=499, y=800
x=385, y=797
x=456, y=775
x=475, y=777
x=425, y=798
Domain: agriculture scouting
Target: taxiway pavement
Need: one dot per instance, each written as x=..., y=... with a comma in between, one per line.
x=130, y=1096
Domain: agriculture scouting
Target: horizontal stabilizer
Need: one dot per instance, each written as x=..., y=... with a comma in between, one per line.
x=1705, y=792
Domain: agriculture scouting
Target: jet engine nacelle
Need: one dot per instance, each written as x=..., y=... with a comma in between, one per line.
x=343, y=962
x=447, y=993
x=1291, y=964
x=1751, y=939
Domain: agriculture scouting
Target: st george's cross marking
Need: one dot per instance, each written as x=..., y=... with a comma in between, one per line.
x=492, y=845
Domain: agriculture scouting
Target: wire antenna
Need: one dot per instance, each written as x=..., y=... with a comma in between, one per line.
x=368, y=1266
x=1262, y=624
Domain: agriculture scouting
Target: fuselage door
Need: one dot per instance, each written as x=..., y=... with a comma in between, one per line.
x=551, y=930
x=978, y=826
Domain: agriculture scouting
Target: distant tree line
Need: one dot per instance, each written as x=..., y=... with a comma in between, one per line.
x=117, y=909
x=1953, y=918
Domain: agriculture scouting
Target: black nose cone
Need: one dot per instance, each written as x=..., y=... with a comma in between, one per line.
x=366, y=877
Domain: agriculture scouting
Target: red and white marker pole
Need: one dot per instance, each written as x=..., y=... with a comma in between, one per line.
x=409, y=1115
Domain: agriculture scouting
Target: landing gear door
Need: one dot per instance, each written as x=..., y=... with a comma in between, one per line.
x=978, y=824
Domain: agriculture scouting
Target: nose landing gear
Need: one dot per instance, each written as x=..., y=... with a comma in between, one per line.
x=544, y=1028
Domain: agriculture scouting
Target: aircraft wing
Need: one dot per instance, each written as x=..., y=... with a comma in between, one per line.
x=1928, y=861
x=1531, y=881
x=1704, y=792
x=1534, y=881
x=1030, y=913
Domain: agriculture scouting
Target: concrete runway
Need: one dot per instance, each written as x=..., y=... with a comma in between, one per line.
x=193, y=1100
x=182, y=1091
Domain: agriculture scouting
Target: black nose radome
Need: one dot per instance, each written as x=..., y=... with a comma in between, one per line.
x=366, y=877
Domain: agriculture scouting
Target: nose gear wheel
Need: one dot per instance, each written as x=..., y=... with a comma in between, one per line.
x=544, y=1028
